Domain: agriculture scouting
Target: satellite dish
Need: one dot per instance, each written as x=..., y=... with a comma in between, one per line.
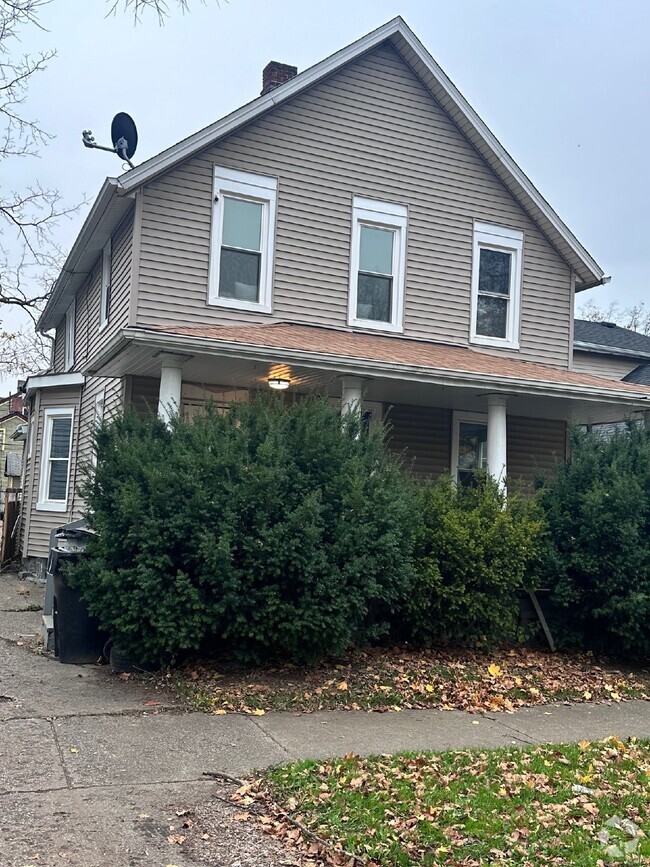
x=124, y=136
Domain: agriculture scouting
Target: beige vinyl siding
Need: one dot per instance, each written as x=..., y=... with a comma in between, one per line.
x=88, y=337
x=113, y=388
x=609, y=366
x=39, y=524
x=422, y=435
x=59, y=349
x=535, y=446
x=371, y=130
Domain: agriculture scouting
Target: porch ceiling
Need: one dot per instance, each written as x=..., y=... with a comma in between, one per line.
x=409, y=373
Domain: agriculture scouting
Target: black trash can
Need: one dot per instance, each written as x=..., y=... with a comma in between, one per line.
x=77, y=636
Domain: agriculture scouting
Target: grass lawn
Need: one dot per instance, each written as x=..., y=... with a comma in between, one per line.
x=474, y=807
x=398, y=678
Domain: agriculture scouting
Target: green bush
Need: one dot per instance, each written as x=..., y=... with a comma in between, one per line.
x=475, y=553
x=598, y=556
x=268, y=529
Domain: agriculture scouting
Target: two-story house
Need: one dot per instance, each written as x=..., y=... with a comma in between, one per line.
x=357, y=230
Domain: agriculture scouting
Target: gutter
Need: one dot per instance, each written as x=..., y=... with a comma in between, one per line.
x=362, y=367
x=610, y=350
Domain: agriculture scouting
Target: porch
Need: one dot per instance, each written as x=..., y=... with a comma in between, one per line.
x=449, y=408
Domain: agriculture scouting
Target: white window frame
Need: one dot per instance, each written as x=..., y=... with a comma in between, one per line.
x=44, y=504
x=382, y=215
x=69, y=336
x=457, y=418
x=253, y=188
x=511, y=241
x=105, y=297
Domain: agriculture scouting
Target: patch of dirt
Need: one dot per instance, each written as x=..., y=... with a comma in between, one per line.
x=225, y=833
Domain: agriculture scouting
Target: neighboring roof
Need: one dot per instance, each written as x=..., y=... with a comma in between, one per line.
x=395, y=353
x=607, y=336
x=9, y=415
x=640, y=375
x=409, y=47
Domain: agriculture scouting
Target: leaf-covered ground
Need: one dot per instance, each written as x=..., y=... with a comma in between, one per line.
x=395, y=679
x=587, y=804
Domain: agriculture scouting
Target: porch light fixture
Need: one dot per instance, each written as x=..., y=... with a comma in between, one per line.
x=279, y=383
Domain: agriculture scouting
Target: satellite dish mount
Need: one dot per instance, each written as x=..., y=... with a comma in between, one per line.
x=124, y=136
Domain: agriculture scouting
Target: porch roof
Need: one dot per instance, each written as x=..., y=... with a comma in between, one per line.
x=403, y=354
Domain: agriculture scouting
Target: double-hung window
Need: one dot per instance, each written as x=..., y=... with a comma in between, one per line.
x=69, y=336
x=496, y=286
x=377, y=265
x=243, y=232
x=105, y=295
x=55, y=459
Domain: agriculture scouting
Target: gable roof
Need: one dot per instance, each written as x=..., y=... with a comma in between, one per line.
x=609, y=338
x=408, y=46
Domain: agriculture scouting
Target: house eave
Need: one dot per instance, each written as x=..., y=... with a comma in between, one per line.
x=363, y=367
x=588, y=272
x=609, y=350
x=53, y=380
x=108, y=210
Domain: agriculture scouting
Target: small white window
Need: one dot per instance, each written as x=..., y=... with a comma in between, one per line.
x=496, y=286
x=468, y=446
x=105, y=298
x=377, y=265
x=55, y=459
x=243, y=232
x=69, y=336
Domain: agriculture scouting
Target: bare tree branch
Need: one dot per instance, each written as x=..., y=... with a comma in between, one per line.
x=636, y=317
x=161, y=8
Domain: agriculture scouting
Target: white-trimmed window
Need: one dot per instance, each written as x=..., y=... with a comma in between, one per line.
x=55, y=459
x=468, y=446
x=243, y=234
x=105, y=296
x=496, y=286
x=69, y=336
x=377, y=265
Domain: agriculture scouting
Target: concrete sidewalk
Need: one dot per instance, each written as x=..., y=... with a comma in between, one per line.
x=84, y=756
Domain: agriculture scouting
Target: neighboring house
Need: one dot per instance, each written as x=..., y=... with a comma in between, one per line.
x=356, y=229
x=12, y=416
x=606, y=349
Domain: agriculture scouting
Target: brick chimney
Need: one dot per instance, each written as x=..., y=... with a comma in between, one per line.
x=275, y=74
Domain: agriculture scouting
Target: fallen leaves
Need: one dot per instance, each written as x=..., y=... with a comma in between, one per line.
x=468, y=807
x=399, y=678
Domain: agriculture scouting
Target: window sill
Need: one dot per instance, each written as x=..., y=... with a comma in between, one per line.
x=372, y=325
x=236, y=304
x=103, y=325
x=496, y=342
x=52, y=507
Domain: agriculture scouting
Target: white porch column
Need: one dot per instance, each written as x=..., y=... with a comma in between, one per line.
x=497, y=439
x=351, y=394
x=171, y=378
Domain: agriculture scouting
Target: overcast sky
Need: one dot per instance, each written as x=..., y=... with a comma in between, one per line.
x=563, y=84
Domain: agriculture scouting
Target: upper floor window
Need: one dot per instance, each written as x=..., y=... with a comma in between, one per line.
x=377, y=265
x=69, y=337
x=243, y=232
x=496, y=286
x=105, y=296
x=55, y=459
